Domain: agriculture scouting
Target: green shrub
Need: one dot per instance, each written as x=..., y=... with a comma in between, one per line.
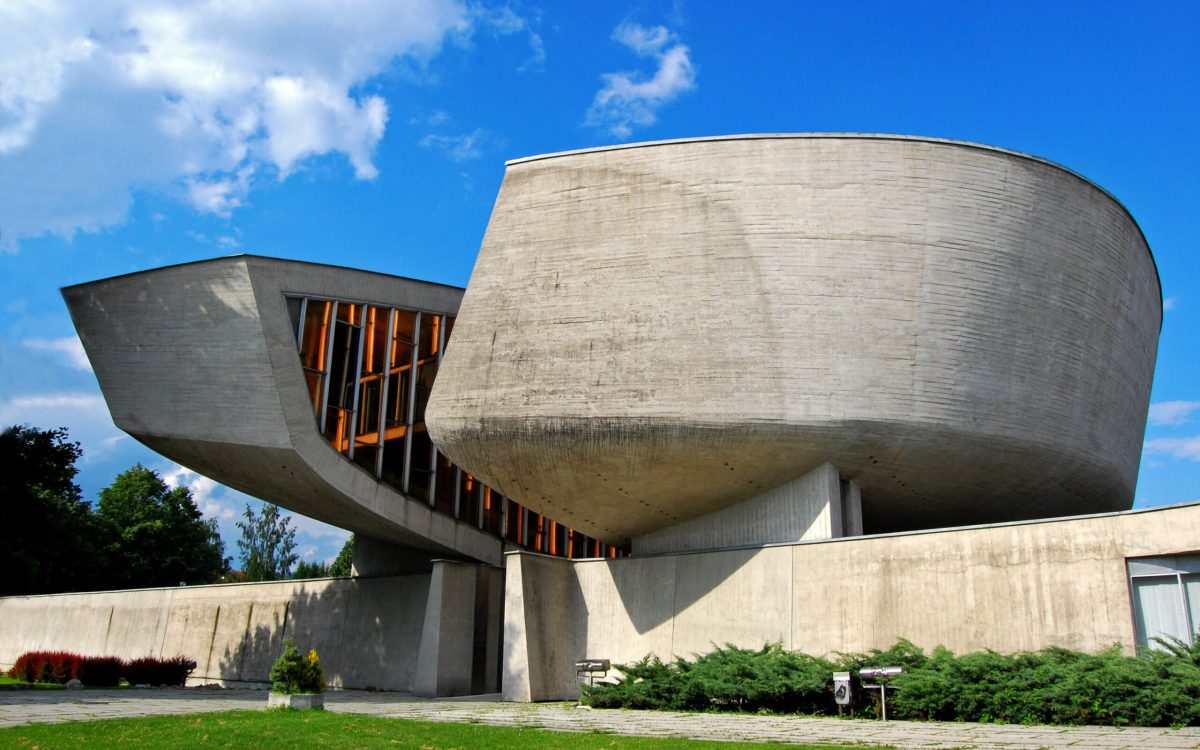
x=1052, y=686
x=728, y=679
x=293, y=673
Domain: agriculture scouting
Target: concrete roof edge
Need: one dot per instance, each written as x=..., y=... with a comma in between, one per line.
x=231, y=584
x=922, y=532
x=251, y=258
x=859, y=136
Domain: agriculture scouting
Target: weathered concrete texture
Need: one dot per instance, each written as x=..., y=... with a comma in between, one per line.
x=460, y=642
x=654, y=332
x=811, y=507
x=1059, y=583
x=541, y=644
x=365, y=630
x=199, y=362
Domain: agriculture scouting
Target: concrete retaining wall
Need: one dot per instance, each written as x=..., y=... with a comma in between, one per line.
x=367, y=630
x=1009, y=587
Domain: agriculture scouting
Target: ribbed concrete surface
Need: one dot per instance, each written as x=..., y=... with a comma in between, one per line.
x=652, y=333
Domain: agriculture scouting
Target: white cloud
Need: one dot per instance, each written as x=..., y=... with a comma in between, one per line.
x=311, y=528
x=1187, y=448
x=68, y=346
x=101, y=99
x=628, y=100
x=1169, y=304
x=505, y=21
x=84, y=414
x=204, y=492
x=457, y=147
x=220, y=195
x=1172, y=412
x=228, y=242
x=643, y=41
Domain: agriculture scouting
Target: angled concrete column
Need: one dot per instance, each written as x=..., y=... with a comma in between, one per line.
x=460, y=641
x=809, y=507
x=852, y=521
x=541, y=644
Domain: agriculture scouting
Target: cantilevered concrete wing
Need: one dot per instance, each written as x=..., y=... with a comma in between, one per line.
x=200, y=362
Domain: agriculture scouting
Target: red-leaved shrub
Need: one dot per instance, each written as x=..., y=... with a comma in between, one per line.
x=100, y=671
x=151, y=671
x=46, y=666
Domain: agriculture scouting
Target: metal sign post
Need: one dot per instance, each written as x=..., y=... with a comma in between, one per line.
x=589, y=668
x=880, y=674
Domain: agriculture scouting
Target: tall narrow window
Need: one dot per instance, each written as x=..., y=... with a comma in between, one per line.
x=1165, y=592
x=343, y=370
x=313, y=341
x=371, y=378
x=397, y=411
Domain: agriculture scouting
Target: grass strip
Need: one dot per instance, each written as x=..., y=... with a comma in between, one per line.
x=313, y=730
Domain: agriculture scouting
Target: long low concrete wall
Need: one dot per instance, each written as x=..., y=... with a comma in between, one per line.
x=1009, y=587
x=366, y=630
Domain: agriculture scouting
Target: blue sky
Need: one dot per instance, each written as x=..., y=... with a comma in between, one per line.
x=374, y=134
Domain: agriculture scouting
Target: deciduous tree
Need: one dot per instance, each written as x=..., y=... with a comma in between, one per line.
x=267, y=545
x=48, y=537
x=157, y=534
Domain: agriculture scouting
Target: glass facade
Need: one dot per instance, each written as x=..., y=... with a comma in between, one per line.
x=370, y=370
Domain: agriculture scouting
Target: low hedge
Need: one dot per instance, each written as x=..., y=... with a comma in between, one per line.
x=99, y=671
x=1052, y=686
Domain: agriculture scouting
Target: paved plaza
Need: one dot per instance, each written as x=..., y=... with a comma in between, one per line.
x=30, y=706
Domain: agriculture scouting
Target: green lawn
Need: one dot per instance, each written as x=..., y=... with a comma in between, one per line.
x=278, y=730
x=6, y=680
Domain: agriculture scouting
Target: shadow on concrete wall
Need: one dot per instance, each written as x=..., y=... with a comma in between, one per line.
x=655, y=589
x=366, y=631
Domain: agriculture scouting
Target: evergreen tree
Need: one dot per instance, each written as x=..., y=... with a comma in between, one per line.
x=342, y=564
x=306, y=569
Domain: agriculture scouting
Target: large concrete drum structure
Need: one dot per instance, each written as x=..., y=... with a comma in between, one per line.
x=824, y=390
x=658, y=331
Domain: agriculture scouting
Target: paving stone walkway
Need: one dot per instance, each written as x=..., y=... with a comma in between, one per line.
x=31, y=706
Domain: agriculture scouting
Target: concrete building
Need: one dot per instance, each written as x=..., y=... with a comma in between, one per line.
x=816, y=389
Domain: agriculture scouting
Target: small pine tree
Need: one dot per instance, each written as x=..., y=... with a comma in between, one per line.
x=292, y=674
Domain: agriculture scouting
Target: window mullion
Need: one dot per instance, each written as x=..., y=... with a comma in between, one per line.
x=362, y=336
x=412, y=399
x=333, y=309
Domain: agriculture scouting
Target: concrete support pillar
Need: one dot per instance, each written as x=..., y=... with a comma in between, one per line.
x=852, y=523
x=460, y=639
x=540, y=644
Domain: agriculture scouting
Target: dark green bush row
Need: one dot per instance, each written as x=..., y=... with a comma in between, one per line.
x=1053, y=686
x=99, y=671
